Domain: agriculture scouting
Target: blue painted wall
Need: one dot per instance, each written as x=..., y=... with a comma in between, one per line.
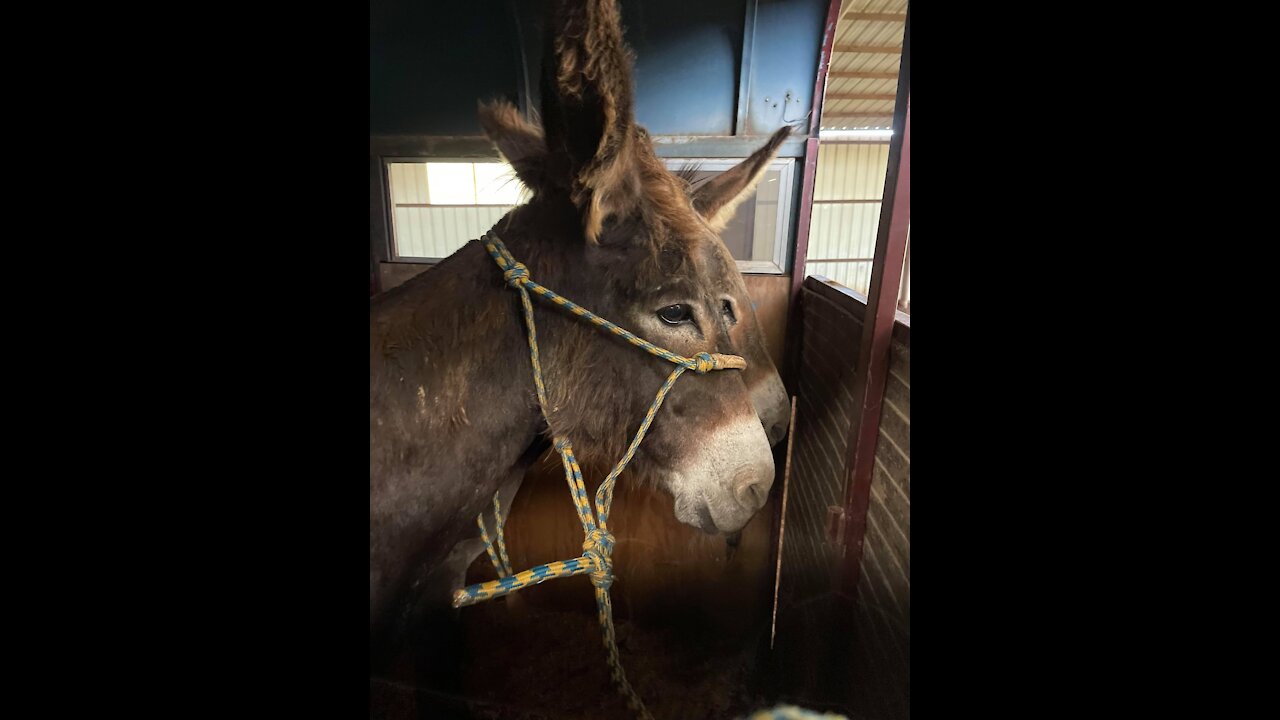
x=784, y=64
x=688, y=60
x=429, y=62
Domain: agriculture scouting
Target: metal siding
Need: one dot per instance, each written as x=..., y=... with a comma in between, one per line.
x=438, y=232
x=686, y=68
x=882, y=625
x=811, y=648
x=846, y=171
x=784, y=62
x=859, y=32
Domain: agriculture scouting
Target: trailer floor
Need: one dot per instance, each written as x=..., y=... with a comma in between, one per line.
x=520, y=663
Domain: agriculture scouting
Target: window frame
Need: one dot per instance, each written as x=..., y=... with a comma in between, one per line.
x=393, y=248
x=775, y=265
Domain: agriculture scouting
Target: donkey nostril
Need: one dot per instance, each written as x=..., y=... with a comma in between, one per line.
x=750, y=489
x=777, y=431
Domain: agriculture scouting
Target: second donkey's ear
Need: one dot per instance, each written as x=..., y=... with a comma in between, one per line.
x=587, y=109
x=718, y=198
x=520, y=142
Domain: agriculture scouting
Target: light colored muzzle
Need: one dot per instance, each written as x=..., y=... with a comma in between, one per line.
x=723, y=484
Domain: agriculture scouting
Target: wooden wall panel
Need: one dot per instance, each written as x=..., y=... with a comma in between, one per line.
x=769, y=294
x=881, y=638
x=811, y=649
x=827, y=639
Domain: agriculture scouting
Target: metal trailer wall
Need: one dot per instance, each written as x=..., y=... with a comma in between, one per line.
x=846, y=211
x=833, y=650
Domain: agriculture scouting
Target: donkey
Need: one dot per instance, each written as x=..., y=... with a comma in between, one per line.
x=453, y=415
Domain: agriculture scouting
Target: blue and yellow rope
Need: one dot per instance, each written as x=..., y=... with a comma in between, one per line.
x=501, y=564
x=597, y=546
x=791, y=712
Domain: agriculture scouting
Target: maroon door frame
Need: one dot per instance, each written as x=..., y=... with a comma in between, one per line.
x=791, y=354
x=882, y=300
x=810, y=173
x=808, y=177
x=882, y=303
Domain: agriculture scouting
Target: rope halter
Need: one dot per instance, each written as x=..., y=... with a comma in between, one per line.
x=597, y=546
x=516, y=275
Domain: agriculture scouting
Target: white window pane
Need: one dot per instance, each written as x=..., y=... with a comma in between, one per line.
x=752, y=234
x=408, y=183
x=436, y=207
x=766, y=219
x=451, y=183
x=496, y=184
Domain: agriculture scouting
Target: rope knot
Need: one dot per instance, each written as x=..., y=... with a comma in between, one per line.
x=703, y=363
x=516, y=275
x=599, y=548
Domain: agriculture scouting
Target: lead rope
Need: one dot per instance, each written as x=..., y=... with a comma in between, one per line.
x=597, y=546
x=503, y=564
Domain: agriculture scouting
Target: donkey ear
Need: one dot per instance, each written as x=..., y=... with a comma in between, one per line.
x=587, y=107
x=718, y=198
x=519, y=141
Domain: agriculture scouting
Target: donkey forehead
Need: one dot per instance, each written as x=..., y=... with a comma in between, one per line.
x=717, y=267
x=702, y=275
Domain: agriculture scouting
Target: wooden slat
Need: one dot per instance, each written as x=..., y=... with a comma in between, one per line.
x=861, y=96
x=885, y=49
x=771, y=294
x=840, y=116
x=876, y=17
x=863, y=75
x=782, y=525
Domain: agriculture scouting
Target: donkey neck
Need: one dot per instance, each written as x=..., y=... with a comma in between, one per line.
x=449, y=358
x=447, y=349
x=451, y=409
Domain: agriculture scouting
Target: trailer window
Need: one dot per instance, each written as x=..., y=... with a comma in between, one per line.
x=438, y=205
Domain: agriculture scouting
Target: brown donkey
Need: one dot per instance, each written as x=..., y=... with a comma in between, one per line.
x=452, y=412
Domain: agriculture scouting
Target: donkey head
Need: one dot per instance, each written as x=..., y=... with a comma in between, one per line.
x=611, y=228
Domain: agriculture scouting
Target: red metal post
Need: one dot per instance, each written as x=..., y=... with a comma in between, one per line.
x=882, y=301
x=807, y=181
x=801, y=248
x=811, y=149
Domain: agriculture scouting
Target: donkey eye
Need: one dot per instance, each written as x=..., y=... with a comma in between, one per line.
x=675, y=314
x=727, y=309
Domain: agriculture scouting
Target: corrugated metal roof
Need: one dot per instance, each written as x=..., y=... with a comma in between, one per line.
x=859, y=70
